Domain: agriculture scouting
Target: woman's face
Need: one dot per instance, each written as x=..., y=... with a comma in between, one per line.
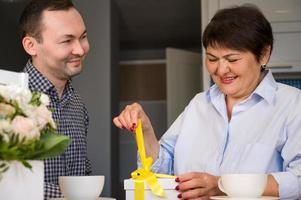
x=236, y=73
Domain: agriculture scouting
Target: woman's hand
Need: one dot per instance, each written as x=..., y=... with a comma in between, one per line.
x=128, y=119
x=197, y=185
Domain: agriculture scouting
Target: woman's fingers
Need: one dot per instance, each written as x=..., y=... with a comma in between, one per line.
x=117, y=122
x=190, y=176
x=128, y=118
x=201, y=198
x=196, y=193
x=136, y=112
x=194, y=185
x=190, y=184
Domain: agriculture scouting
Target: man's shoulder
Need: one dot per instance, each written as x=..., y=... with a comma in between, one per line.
x=78, y=99
x=36, y=81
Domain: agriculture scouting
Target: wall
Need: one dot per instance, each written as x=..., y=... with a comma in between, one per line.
x=96, y=85
x=12, y=56
x=145, y=83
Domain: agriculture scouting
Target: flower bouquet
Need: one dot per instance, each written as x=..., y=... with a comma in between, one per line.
x=27, y=129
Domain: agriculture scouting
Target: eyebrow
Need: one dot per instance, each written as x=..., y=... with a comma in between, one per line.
x=225, y=56
x=72, y=36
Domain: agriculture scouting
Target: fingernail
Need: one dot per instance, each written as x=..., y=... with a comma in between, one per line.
x=179, y=196
x=123, y=127
x=177, y=188
x=177, y=179
x=131, y=129
x=133, y=125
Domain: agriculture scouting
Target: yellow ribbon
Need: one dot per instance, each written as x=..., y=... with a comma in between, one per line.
x=145, y=174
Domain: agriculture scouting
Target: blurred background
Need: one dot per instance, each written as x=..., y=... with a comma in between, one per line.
x=147, y=51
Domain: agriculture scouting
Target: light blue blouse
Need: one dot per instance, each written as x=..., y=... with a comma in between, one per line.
x=263, y=136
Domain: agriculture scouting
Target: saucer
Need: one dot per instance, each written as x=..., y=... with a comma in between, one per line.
x=239, y=198
x=100, y=198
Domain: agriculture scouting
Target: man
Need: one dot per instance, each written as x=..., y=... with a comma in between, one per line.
x=55, y=37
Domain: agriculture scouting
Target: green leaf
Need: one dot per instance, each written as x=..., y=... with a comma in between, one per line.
x=3, y=168
x=35, y=98
x=51, y=145
x=26, y=164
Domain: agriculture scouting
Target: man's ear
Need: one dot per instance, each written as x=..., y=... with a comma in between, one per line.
x=30, y=45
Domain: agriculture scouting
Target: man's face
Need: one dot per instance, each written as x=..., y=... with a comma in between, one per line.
x=64, y=44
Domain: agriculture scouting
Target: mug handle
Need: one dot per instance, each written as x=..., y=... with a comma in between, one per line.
x=220, y=185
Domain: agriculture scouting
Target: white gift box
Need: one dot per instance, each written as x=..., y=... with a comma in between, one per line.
x=166, y=183
x=19, y=182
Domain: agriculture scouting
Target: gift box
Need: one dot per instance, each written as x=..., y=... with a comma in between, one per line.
x=145, y=184
x=167, y=184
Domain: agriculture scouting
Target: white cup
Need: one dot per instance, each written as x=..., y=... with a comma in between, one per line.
x=81, y=187
x=243, y=185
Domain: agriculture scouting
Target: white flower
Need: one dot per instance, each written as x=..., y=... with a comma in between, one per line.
x=5, y=127
x=6, y=110
x=5, y=92
x=23, y=98
x=21, y=95
x=40, y=115
x=29, y=111
x=43, y=116
x=25, y=128
x=44, y=99
x=30, y=119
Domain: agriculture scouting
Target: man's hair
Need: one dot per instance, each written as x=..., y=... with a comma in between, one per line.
x=31, y=17
x=242, y=28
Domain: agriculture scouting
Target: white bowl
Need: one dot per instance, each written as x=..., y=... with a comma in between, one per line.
x=81, y=187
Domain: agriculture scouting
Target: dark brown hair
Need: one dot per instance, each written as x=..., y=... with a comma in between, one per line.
x=241, y=28
x=31, y=17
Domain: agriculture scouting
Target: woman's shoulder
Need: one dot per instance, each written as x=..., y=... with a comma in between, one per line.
x=284, y=89
x=288, y=95
x=201, y=96
x=200, y=100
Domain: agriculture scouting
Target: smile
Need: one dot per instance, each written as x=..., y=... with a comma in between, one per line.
x=75, y=61
x=228, y=80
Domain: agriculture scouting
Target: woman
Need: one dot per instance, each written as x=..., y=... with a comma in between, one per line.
x=245, y=123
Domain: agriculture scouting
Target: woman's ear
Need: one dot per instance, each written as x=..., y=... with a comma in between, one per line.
x=30, y=45
x=266, y=54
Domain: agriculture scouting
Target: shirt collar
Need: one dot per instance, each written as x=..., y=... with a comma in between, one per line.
x=266, y=89
x=38, y=82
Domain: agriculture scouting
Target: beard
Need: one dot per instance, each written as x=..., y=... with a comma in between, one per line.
x=73, y=67
x=70, y=72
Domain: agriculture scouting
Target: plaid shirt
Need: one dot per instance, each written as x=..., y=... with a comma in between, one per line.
x=71, y=117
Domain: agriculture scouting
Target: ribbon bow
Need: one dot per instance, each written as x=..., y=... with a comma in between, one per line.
x=145, y=174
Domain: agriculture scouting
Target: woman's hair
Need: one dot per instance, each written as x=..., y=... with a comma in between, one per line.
x=242, y=28
x=31, y=17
